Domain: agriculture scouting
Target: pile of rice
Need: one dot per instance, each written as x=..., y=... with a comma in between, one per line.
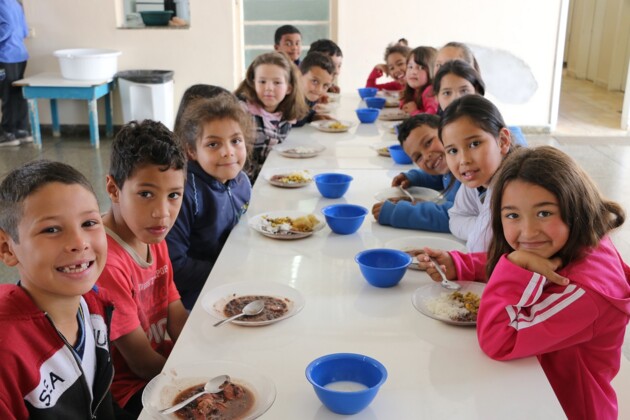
x=449, y=306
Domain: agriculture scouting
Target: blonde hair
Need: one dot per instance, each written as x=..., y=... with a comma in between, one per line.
x=293, y=106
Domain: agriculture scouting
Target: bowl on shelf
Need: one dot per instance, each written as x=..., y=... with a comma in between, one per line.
x=367, y=92
x=375, y=102
x=344, y=219
x=156, y=17
x=346, y=383
x=398, y=154
x=332, y=185
x=367, y=115
x=383, y=267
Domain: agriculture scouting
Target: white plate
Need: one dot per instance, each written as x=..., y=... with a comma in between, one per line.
x=268, y=174
x=382, y=148
x=424, y=294
x=256, y=223
x=299, y=151
x=325, y=126
x=215, y=300
x=409, y=243
x=393, y=115
x=419, y=193
x=161, y=391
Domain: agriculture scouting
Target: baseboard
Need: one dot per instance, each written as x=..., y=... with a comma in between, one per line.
x=78, y=130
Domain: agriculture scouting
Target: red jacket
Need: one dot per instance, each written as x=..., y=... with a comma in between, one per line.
x=375, y=74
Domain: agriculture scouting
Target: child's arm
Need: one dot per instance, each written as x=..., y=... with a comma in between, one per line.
x=428, y=216
x=378, y=71
x=177, y=317
x=520, y=317
x=463, y=215
x=136, y=349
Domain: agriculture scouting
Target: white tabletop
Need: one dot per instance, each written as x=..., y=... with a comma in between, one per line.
x=436, y=371
x=56, y=80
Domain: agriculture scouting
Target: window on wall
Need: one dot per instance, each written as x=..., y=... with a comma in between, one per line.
x=132, y=12
x=261, y=18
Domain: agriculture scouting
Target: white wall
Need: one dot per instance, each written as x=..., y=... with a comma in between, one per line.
x=202, y=54
x=528, y=31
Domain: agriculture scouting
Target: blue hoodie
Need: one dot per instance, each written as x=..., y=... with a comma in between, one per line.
x=209, y=211
x=422, y=216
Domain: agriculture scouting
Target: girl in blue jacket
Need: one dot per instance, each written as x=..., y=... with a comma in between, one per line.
x=214, y=132
x=418, y=136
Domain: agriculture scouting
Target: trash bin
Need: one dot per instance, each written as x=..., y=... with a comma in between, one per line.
x=147, y=94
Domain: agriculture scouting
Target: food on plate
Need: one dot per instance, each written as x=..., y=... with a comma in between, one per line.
x=297, y=177
x=383, y=151
x=233, y=402
x=274, y=308
x=336, y=125
x=300, y=150
x=456, y=306
x=288, y=225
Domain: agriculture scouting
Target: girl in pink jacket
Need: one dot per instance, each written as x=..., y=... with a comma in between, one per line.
x=549, y=218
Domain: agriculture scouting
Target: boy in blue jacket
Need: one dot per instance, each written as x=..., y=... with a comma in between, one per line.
x=214, y=132
x=418, y=136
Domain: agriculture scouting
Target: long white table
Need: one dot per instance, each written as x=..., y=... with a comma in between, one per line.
x=436, y=371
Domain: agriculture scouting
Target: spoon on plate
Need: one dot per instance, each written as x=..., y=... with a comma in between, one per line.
x=211, y=387
x=407, y=194
x=252, y=308
x=446, y=283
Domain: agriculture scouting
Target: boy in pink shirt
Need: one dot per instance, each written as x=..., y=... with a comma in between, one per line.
x=145, y=185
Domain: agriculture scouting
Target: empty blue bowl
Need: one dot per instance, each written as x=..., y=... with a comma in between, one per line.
x=383, y=267
x=367, y=92
x=344, y=219
x=375, y=102
x=367, y=115
x=398, y=154
x=346, y=383
x=332, y=185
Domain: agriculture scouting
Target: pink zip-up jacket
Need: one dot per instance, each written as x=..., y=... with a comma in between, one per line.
x=575, y=331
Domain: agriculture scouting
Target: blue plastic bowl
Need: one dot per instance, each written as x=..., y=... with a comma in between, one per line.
x=332, y=185
x=375, y=102
x=367, y=92
x=344, y=219
x=383, y=267
x=398, y=154
x=367, y=115
x=366, y=372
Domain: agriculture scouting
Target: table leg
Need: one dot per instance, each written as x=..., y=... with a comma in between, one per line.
x=109, y=124
x=93, y=116
x=33, y=114
x=54, y=114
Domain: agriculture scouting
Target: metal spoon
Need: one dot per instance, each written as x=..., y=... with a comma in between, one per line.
x=211, y=387
x=252, y=308
x=446, y=283
x=407, y=194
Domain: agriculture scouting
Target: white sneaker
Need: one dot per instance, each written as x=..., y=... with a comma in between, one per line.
x=8, y=139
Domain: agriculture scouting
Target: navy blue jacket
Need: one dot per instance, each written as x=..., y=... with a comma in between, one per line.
x=209, y=211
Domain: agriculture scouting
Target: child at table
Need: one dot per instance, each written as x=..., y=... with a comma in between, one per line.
x=193, y=93
x=214, y=133
x=145, y=184
x=476, y=140
x=395, y=67
x=418, y=98
x=455, y=79
x=547, y=215
x=418, y=136
x=317, y=75
x=272, y=94
x=332, y=50
x=288, y=40
x=455, y=51
x=54, y=347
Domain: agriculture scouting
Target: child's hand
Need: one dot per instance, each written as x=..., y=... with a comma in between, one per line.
x=376, y=209
x=381, y=68
x=324, y=99
x=537, y=264
x=318, y=117
x=410, y=107
x=334, y=89
x=443, y=258
x=401, y=180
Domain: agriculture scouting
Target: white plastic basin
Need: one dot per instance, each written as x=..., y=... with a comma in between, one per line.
x=88, y=63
